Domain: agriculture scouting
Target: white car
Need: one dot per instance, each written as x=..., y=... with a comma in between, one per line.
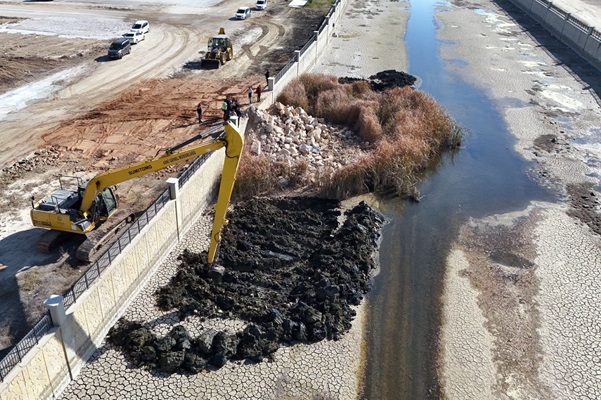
x=261, y=4
x=243, y=13
x=141, y=26
x=134, y=37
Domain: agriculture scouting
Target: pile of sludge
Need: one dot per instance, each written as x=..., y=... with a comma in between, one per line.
x=384, y=80
x=293, y=267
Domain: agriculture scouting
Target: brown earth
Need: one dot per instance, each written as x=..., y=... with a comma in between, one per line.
x=128, y=125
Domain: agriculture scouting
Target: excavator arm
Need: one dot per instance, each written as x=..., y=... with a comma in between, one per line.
x=233, y=142
x=166, y=160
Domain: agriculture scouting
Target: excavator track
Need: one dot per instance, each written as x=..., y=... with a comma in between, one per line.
x=99, y=237
x=50, y=240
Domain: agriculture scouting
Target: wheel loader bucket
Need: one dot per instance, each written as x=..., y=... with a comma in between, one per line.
x=210, y=64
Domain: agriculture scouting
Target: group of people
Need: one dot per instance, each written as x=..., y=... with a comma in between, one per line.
x=230, y=106
x=258, y=91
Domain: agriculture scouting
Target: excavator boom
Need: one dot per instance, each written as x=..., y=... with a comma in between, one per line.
x=114, y=177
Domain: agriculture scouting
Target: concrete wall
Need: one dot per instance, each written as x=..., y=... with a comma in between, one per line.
x=52, y=364
x=584, y=40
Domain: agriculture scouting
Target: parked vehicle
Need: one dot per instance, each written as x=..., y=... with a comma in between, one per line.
x=119, y=48
x=243, y=13
x=141, y=26
x=134, y=37
x=261, y=4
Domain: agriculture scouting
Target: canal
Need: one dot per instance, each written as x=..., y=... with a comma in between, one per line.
x=485, y=177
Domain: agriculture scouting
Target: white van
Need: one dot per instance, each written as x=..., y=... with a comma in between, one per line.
x=261, y=4
x=243, y=13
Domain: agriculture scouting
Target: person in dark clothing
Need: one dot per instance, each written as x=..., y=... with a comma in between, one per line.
x=267, y=77
x=258, y=92
x=199, y=112
x=236, y=108
x=250, y=96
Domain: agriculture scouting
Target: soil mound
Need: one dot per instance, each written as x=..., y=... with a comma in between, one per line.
x=384, y=80
x=291, y=267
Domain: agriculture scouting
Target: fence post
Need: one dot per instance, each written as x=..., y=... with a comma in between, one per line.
x=316, y=35
x=589, y=33
x=565, y=21
x=270, y=83
x=56, y=305
x=174, y=195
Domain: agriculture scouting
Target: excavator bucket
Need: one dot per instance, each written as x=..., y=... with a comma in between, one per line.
x=210, y=63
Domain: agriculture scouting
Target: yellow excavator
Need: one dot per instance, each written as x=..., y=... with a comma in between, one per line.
x=87, y=210
x=219, y=50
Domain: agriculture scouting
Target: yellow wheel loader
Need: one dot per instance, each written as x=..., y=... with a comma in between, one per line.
x=219, y=50
x=86, y=210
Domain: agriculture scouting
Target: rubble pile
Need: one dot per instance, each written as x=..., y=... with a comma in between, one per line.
x=291, y=268
x=36, y=162
x=287, y=134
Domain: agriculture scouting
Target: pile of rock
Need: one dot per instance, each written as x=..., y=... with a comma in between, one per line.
x=292, y=272
x=289, y=135
x=36, y=162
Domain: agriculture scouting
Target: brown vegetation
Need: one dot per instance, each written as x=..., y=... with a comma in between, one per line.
x=258, y=175
x=407, y=129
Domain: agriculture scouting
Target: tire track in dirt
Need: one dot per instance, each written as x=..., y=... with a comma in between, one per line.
x=271, y=33
x=167, y=48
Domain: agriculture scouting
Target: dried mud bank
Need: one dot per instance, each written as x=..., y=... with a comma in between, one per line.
x=523, y=323
x=370, y=38
x=520, y=319
x=304, y=366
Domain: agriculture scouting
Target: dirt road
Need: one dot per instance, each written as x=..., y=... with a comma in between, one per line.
x=68, y=110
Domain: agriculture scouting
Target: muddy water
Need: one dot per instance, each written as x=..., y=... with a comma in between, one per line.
x=485, y=177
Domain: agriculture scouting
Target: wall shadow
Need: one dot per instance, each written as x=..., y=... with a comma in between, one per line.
x=17, y=254
x=563, y=55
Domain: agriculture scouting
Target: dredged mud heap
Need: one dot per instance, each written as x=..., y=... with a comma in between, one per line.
x=293, y=269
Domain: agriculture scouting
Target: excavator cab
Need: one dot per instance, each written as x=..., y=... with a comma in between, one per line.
x=105, y=204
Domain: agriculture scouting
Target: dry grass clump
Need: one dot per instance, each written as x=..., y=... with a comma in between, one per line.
x=409, y=129
x=257, y=175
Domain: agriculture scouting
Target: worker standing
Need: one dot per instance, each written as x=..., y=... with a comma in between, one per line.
x=199, y=112
x=258, y=92
x=250, y=96
x=236, y=108
x=225, y=108
x=267, y=77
